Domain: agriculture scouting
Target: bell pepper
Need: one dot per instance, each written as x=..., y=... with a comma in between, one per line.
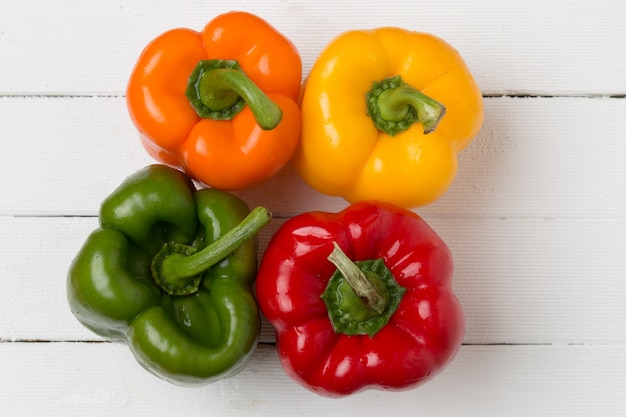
x=220, y=104
x=169, y=271
x=360, y=299
x=385, y=113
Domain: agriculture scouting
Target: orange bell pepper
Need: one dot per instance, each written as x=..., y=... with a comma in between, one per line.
x=220, y=104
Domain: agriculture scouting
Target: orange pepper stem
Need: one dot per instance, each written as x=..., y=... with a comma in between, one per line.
x=219, y=90
x=394, y=106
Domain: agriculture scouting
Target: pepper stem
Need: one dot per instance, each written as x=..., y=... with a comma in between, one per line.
x=219, y=90
x=394, y=106
x=358, y=281
x=178, y=268
x=361, y=296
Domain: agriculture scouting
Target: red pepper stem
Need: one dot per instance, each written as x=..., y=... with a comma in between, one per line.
x=220, y=88
x=394, y=105
x=177, y=268
x=358, y=281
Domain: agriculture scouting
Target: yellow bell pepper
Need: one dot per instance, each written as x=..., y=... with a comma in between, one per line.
x=385, y=113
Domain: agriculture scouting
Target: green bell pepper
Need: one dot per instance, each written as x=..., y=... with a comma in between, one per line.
x=170, y=272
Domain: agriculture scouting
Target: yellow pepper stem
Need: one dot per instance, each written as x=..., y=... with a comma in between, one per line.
x=395, y=106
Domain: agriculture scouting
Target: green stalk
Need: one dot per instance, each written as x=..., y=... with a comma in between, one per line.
x=219, y=90
x=178, y=268
x=360, y=296
x=395, y=106
x=360, y=284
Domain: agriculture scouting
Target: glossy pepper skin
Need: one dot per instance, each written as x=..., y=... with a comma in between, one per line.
x=170, y=272
x=425, y=117
x=329, y=338
x=220, y=103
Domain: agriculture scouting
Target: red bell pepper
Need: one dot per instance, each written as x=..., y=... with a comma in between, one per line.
x=360, y=299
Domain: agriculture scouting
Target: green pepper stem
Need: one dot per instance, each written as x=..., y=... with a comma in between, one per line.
x=357, y=280
x=219, y=89
x=177, y=268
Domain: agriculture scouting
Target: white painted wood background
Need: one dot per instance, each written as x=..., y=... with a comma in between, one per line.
x=536, y=218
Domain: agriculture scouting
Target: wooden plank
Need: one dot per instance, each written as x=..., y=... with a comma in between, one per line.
x=71, y=379
x=72, y=154
x=533, y=158
x=521, y=281
x=512, y=47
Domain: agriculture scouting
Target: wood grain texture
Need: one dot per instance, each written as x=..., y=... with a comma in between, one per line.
x=534, y=157
x=536, y=218
x=532, y=47
x=97, y=379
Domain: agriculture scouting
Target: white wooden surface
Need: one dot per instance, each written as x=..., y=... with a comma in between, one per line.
x=536, y=218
